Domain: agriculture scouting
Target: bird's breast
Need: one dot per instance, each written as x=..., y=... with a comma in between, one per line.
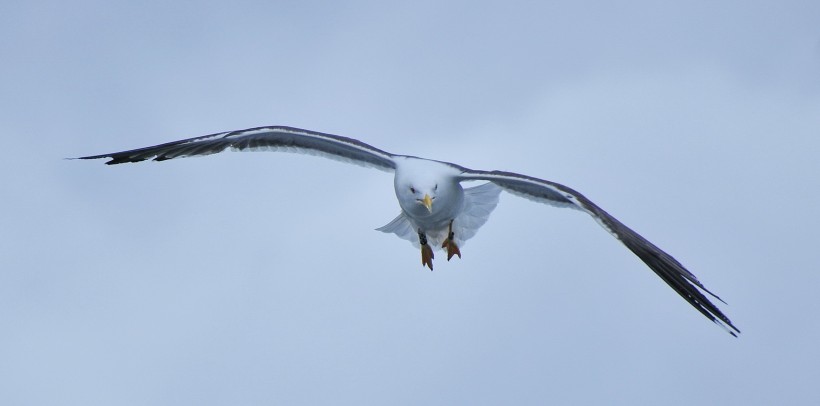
x=444, y=209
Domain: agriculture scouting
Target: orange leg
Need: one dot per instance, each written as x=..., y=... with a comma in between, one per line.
x=426, y=251
x=449, y=244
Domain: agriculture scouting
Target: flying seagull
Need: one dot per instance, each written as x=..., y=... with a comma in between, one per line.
x=436, y=211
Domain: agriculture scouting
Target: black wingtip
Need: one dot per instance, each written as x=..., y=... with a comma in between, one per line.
x=700, y=285
x=122, y=160
x=731, y=329
x=95, y=157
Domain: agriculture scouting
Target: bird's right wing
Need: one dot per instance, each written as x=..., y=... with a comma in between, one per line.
x=276, y=138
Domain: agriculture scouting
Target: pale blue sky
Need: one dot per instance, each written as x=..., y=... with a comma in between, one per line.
x=259, y=279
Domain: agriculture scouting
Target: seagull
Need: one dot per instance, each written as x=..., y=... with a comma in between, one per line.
x=437, y=212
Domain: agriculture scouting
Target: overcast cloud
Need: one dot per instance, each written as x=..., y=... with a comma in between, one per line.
x=258, y=278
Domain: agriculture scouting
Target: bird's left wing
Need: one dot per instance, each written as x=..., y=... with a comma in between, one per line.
x=261, y=138
x=668, y=268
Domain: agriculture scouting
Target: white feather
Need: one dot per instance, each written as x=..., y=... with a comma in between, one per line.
x=479, y=202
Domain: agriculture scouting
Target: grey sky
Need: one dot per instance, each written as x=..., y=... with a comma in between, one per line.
x=257, y=278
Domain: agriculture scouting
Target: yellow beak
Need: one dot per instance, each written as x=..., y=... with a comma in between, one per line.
x=427, y=202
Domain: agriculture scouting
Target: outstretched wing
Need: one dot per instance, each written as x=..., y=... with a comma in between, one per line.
x=265, y=139
x=668, y=268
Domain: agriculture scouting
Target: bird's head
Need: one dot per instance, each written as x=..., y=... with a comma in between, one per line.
x=426, y=188
x=423, y=195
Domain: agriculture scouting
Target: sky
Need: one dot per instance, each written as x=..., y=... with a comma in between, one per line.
x=258, y=278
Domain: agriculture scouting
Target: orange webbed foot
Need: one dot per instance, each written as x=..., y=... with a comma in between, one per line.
x=427, y=256
x=452, y=248
x=450, y=244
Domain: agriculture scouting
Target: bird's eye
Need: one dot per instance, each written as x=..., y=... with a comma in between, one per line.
x=435, y=187
x=412, y=189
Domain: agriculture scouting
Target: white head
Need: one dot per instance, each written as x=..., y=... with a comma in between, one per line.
x=426, y=188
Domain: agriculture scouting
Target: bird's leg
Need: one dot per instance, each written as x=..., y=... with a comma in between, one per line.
x=426, y=251
x=452, y=248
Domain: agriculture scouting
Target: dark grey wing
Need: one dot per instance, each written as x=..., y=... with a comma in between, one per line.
x=261, y=138
x=668, y=268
